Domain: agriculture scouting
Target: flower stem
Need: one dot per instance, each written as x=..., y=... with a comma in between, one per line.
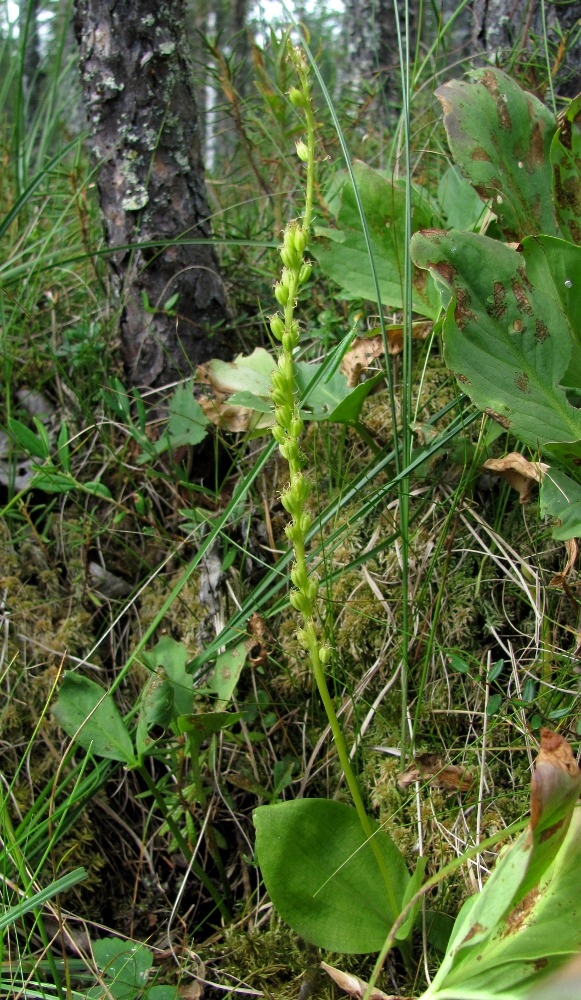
x=288, y=432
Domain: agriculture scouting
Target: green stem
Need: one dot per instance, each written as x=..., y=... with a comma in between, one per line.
x=287, y=432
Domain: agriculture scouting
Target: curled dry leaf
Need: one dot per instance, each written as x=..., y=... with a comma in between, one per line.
x=366, y=349
x=354, y=986
x=518, y=472
x=359, y=357
x=259, y=643
x=432, y=767
x=248, y=376
x=556, y=781
x=560, y=580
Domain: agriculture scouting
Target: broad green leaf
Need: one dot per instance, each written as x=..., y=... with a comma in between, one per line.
x=507, y=340
x=86, y=711
x=536, y=939
x=125, y=967
x=172, y=657
x=560, y=498
x=156, y=709
x=555, y=266
x=224, y=677
x=323, y=877
x=343, y=256
x=459, y=201
x=50, y=480
x=96, y=488
x=27, y=439
x=331, y=399
x=526, y=918
x=566, y=161
x=247, y=373
x=186, y=424
x=204, y=724
x=500, y=137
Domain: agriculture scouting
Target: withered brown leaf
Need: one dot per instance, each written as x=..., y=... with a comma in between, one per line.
x=432, y=767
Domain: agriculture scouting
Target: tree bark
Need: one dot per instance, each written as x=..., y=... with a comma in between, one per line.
x=502, y=27
x=138, y=86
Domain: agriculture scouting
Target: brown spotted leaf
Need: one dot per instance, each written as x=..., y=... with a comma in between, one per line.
x=526, y=922
x=507, y=333
x=500, y=137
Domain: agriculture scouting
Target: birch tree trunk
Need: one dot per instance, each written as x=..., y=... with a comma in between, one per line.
x=138, y=88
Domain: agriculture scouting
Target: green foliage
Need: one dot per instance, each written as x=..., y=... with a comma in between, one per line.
x=88, y=713
x=322, y=874
x=523, y=922
x=344, y=255
x=511, y=327
x=125, y=969
x=500, y=137
x=509, y=335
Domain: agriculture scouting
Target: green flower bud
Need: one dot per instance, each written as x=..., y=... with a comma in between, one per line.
x=301, y=488
x=289, y=258
x=302, y=151
x=299, y=602
x=296, y=98
x=301, y=238
x=279, y=434
x=279, y=381
x=283, y=416
x=292, y=532
x=324, y=655
x=299, y=577
x=289, y=341
x=305, y=273
x=303, y=637
x=288, y=501
x=281, y=294
x=296, y=427
x=304, y=523
x=277, y=326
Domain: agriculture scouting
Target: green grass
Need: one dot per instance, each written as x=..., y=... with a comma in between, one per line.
x=431, y=574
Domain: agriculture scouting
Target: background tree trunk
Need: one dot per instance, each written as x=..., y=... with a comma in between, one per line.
x=502, y=27
x=138, y=87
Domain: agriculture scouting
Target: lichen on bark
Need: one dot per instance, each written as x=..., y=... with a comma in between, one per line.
x=138, y=86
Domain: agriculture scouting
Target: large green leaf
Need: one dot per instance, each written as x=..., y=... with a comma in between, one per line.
x=87, y=712
x=560, y=498
x=555, y=266
x=507, y=338
x=172, y=657
x=566, y=161
x=323, y=876
x=343, y=254
x=500, y=137
x=526, y=921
